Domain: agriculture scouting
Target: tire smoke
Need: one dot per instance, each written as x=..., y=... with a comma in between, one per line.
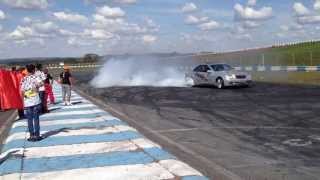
x=139, y=72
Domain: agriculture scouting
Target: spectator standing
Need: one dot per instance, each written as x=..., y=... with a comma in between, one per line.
x=41, y=77
x=48, y=86
x=30, y=92
x=20, y=75
x=66, y=84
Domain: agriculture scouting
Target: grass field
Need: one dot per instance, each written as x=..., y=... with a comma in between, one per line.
x=302, y=54
x=301, y=78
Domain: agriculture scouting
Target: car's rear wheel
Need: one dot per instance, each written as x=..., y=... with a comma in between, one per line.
x=220, y=83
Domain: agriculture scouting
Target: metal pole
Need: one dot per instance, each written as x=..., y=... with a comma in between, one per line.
x=262, y=59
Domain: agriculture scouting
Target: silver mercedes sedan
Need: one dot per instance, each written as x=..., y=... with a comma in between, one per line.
x=220, y=75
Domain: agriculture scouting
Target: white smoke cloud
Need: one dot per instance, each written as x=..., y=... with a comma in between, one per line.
x=137, y=72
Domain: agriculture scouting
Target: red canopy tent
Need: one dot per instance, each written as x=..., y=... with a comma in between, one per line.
x=9, y=91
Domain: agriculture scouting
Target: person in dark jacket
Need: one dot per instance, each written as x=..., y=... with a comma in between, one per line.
x=66, y=85
x=42, y=93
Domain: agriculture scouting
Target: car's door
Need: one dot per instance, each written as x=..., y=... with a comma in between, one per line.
x=214, y=74
x=203, y=74
x=196, y=78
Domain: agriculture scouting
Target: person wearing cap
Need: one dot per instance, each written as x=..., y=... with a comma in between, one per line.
x=65, y=80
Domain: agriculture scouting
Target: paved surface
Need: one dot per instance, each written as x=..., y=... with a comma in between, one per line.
x=6, y=119
x=268, y=132
x=84, y=142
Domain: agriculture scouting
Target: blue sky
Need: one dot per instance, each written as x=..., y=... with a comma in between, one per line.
x=51, y=28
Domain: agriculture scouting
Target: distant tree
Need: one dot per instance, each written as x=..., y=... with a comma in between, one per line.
x=90, y=58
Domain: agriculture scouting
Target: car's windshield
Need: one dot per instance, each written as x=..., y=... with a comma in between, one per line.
x=221, y=67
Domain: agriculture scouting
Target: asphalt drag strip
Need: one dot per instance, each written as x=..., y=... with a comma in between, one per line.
x=268, y=131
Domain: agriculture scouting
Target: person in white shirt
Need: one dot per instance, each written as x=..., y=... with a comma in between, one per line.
x=42, y=77
x=30, y=92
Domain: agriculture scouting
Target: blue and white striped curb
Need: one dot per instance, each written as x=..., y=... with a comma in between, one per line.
x=84, y=142
x=270, y=68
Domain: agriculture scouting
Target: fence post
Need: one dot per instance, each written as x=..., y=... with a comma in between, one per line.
x=311, y=58
x=293, y=59
x=262, y=59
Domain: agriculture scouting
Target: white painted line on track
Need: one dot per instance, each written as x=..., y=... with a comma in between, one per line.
x=77, y=149
x=74, y=112
x=150, y=171
x=68, y=121
x=78, y=106
x=144, y=143
x=106, y=130
x=179, y=168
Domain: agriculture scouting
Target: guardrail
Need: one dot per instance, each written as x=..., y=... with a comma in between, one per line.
x=77, y=66
x=242, y=68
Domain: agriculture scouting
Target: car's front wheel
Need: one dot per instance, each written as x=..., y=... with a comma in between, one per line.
x=220, y=83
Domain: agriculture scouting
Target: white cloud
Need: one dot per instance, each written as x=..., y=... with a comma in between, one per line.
x=252, y=2
x=99, y=34
x=291, y=27
x=74, y=41
x=2, y=15
x=21, y=33
x=284, y=28
x=309, y=19
x=316, y=5
x=126, y=1
x=34, y=30
x=300, y=9
x=250, y=24
x=65, y=32
x=149, y=39
x=189, y=7
x=115, y=1
x=190, y=19
x=248, y=17
x=26, y=4
x=245, y=36
x=71, y=17
x=211, y=25
x=27, y=20
x=249, y=13
x=28, y=42
x=109, y=12
x=46, y=28
x=151, y=24
x=121, y=26
x=103, y=22
x=304, y=15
